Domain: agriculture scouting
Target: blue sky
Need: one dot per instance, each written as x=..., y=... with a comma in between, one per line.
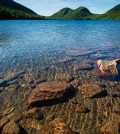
x=48, y=7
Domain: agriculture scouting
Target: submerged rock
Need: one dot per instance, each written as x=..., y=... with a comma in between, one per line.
x=32, y=123
x=8, y=111
x=82, y=109
x=3, y=122
x=11, y=128
x=13, y=75
x=57, y=126
x=111, y=127
x=92, y=91
x=64, y=77
x=34, y=113
x=78, y=52
x=50, y=91
x=109, y=67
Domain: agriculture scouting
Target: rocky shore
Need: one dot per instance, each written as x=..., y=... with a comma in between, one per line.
x=82, y=102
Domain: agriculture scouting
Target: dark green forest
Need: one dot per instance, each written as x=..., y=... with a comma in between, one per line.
x=8, y=14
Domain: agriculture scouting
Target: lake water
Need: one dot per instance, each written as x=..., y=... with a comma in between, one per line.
x=45, y=49
x=29, y=44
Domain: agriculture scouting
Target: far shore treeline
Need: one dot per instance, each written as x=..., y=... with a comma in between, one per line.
x=11, y=10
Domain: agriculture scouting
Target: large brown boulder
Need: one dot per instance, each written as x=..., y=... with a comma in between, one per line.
x=111, y=127
x=108, y=67
x=92, y=91
x=57, y=126
x=49, y=91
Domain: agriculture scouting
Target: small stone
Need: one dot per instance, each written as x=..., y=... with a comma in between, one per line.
x=8, y=111
x=57, y=126
x=11, y=128
x=23, y=85
x=29, y=78
x=117, y=109
x=3, y=122
x=11, y=88
x=64, y=77
x=111, y=127
x=32, y=123
x=82, y=109
x=34, y=113
x=92, y=91
x=75, y=83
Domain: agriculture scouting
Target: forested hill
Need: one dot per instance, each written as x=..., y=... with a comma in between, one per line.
x=12, y=10
x=82, y=13
x=16, y=6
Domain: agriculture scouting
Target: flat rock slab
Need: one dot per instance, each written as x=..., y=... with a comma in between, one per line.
x=92, y=91
x=57, y=126
x=108, y=67
x=49, y=91
x=111, y=127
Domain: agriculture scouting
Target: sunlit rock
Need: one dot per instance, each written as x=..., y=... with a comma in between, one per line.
x=108, y=67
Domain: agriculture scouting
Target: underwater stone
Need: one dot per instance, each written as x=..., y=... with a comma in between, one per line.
x=57, y=126
x=48, y=91
x=92, y=91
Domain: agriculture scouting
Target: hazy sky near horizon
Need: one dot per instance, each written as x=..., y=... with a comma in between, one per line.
x=49, y=7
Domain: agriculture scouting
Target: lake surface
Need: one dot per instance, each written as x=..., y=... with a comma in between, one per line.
x=44, y=49
x=29, y=44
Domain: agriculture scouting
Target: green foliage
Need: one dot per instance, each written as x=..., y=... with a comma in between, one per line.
x=8, y=13
x=61, y=14
x=113, y=14
x=16, y=6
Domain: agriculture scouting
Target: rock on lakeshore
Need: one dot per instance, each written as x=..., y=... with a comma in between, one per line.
x=50, y=91
x=92, y=91
x=109, y=67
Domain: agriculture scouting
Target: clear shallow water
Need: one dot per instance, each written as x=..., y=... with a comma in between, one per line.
x=45, y=49
x=25, y=44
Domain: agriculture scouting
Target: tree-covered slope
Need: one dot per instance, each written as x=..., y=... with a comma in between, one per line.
x=112, y=14
x=16, y=6
x=12, y=10
x=61, y=14
x=9, y=14
x=69, y=14
x=83, y=13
